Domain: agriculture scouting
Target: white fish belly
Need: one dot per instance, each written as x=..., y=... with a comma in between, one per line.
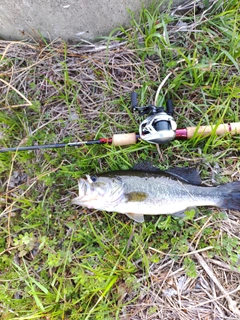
x=158, y=208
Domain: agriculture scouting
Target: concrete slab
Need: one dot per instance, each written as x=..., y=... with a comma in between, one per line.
x=67, y=19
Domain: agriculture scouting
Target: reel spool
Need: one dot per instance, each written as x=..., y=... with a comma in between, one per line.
x=159, y=127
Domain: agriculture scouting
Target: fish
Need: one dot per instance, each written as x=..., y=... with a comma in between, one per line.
x=150, y=191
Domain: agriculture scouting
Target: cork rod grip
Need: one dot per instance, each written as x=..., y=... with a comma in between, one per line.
x=232, y=128
x=124, y=139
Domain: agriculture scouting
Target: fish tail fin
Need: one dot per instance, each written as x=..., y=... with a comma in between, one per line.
x=231, y=195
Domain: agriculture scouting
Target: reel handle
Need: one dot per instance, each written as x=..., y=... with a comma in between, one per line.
x=134, y=101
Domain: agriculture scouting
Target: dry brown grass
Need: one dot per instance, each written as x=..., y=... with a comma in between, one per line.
x=92, y=77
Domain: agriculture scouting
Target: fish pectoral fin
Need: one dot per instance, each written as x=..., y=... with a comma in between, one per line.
x=136, y=217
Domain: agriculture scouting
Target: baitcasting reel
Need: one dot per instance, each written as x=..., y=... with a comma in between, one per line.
x=159, y=127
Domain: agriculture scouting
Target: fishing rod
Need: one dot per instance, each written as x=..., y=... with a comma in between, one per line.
x=158, y=128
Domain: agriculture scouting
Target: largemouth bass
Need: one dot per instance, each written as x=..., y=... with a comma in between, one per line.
x=153, y=192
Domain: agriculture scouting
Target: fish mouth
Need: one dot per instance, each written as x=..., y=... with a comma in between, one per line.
x=90, y=191
x=104, y=193
x=85, y=195
x=85, y=188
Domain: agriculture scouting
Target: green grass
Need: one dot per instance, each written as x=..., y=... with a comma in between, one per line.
x=62, y=262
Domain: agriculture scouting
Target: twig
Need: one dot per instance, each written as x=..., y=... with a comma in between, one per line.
x=29, y=103
x=223, y=265
x=231, y=303
x=7, y=210
x=181, y=255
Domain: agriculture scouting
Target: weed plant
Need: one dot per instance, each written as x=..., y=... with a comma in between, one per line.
x=59, y=261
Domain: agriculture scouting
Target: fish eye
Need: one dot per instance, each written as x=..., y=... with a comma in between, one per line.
x=93, y=178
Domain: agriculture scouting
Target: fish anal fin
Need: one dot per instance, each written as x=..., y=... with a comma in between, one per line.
x=136, y=217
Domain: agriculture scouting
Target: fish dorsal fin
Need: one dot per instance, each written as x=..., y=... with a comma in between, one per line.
x=136, y=217
x=186, y=174
x=145, y=166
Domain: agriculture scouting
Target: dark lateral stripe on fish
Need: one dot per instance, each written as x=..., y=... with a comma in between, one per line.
x=136, y=196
